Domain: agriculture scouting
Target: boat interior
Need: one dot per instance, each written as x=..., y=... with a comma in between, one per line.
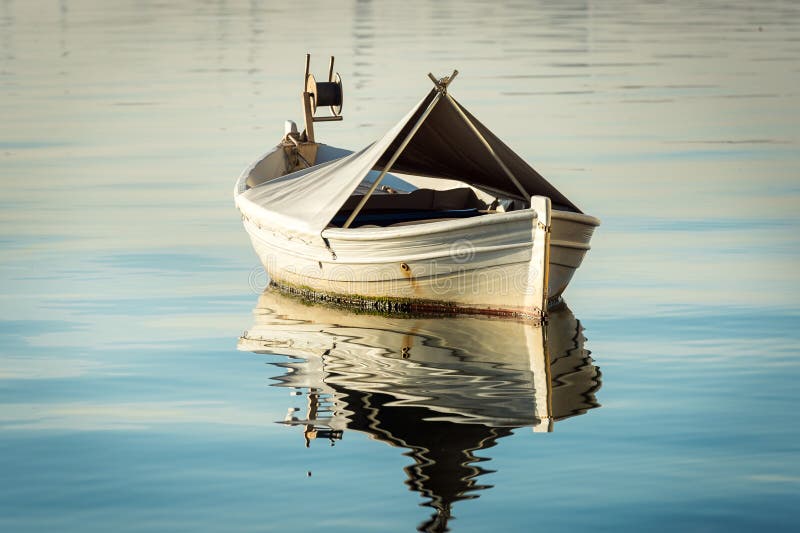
x=400, y=200
x=412, y=204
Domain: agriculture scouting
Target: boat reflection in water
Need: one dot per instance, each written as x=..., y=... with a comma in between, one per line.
x=442, y=388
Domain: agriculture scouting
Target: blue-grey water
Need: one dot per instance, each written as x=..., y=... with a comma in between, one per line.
x=126, y=279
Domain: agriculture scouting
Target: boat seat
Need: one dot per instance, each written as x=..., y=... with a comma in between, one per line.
x=398, y=217
x=418, y=200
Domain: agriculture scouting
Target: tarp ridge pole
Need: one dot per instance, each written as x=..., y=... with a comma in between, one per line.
x=486, y=144
x=392, y=160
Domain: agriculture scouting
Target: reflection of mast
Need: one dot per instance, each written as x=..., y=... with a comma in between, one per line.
x=442, y=389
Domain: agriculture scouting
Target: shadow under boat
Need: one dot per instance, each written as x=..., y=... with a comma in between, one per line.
x=441, y=388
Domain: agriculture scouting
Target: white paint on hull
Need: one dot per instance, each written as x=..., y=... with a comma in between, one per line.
x=481, y=262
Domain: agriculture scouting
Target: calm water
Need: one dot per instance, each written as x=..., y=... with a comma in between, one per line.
x=128, y=401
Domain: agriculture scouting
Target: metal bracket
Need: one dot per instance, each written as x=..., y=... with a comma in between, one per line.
x=442, y=83
x=328, y=246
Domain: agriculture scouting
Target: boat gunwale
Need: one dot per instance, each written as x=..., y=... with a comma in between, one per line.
x=241, y=182
x=581, y=218
x=427, y=228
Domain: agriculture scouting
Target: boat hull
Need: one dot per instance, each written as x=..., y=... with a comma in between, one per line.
x=570, y=236
x=478, y=265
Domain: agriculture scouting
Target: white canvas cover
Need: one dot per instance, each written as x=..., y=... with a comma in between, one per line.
x=304, y=202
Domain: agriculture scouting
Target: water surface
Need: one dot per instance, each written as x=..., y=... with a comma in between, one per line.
x=126, y=278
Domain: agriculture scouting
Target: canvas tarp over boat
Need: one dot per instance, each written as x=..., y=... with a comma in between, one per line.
x=444, y=146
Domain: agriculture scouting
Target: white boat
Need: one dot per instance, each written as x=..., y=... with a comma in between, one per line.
x=463, y=224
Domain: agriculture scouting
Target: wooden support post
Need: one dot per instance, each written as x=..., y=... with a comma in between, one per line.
x=308, y=117
x=539, y=266
x=308, y=114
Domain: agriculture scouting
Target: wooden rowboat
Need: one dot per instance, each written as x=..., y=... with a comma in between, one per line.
x=461, y=224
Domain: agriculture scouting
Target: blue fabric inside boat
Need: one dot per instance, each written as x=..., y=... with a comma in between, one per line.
x=389, y=218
